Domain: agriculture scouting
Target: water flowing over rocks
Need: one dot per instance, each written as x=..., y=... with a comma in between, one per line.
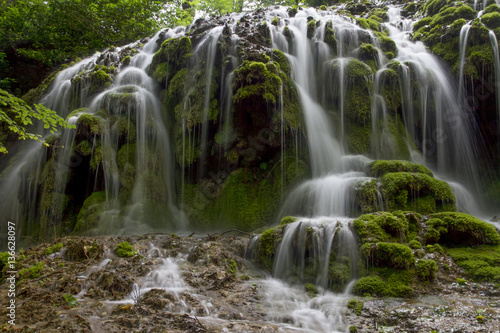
x=205, y=284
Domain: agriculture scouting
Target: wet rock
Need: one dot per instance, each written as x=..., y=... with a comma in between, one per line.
x=118, y=285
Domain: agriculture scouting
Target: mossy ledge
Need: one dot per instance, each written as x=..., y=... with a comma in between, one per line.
x=403, y=185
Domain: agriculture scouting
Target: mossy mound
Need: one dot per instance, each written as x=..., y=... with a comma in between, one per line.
x=380, y=168
x=172, y=56
x=403, y=185
x=481, y=263
x=382, y=227
x=460, y=229
x=125, y=250
x=416, y=192
x=90, y=212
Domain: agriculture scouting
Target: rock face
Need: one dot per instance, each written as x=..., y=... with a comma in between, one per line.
x=222, y=124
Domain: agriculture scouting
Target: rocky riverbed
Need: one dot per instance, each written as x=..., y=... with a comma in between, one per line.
x=173, y=283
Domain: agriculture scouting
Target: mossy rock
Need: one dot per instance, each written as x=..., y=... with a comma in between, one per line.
x=125, y=250
x=370, y=285
x=359, y=87
x=381, y=167
x=172, y=56
x=426, y=269
x=329, y=37
x=247, y=203
x=266, y=249
x=369, y=55
x=256, y=80
x=414, y=191
x=392, y=255
x=491, y=20
x=460, y=229
x=89, y=125
x=91, y=211
x=382, y=227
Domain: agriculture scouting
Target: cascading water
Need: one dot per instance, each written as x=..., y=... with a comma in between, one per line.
x=494, y=46
x=347, y=87
x=464, y=33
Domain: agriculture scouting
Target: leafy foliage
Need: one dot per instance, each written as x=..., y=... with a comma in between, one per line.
x=16, y=116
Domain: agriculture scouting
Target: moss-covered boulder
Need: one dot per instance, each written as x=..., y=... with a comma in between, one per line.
x=460, y=229
x=380, y=168
x=402, y=185
x=172, y=56
x=416, y=192
x=90, y=212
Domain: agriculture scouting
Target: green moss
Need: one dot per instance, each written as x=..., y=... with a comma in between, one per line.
x=84, y=148
x=367, y=196
x=99, y=80
x=482, y=263
x=232, y=267
x=280, y=58
x=382, y=227
x=432, y=7
x=267, y=244
x=54, y=248
x=415, y=244
x=88, y=125
x=422, y=23
x=311, y=27
x=390, y=255
x=90, y=213
x=125, y=250
x=311, y=290
x=401, y=189
x=339, y=271
x=76, y=113
x=369, y=55
x=460, y=228
x=356, y=306
x=386, y=43
x=32, y=272
x=330, y=37
x=359, y=86
x=491, y=20
x=358, y=138
x=381, y=167
x=275, y=21
x=255, y=79
x=288, y=219
x=370, y=285
x=172, y=56
x=126, y=61
x=369, y=24
x=246, y=203
x=426, y=270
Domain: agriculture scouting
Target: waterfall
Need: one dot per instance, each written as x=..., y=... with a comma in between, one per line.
x=447, y=139
x=464, y=33
x=494, y=46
